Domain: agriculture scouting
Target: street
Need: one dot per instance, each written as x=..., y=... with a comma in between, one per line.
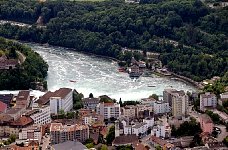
x=223, y=133
x=46, y=140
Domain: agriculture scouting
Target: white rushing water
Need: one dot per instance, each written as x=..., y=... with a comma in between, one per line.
x=98, y=75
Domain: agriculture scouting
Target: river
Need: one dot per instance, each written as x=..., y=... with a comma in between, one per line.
x=98, y=75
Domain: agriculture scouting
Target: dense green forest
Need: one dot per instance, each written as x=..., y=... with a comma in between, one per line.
x=104, y=27
x=33, y=69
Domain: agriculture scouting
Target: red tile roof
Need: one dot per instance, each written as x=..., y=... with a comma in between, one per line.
x=43, y=100
x=62, y=92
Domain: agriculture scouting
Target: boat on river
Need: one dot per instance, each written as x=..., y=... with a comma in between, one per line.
x=72, y=80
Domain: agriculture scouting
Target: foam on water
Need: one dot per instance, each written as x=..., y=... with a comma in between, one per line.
x=98, y=75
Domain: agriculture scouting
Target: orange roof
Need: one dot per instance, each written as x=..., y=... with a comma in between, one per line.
x=104, y=131
x=108, y=104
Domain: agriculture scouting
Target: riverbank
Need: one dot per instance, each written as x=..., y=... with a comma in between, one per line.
x=180, y=78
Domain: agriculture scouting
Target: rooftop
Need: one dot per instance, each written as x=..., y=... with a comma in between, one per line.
x=23, y=95
x=31, y=112
x=207, y=95
x=22, y=121
x=6, y=98
x=125, y=139
x=158, y=140
x=91, y=100
x=66, y=128
x=69, y=145
x=5, y=118
x=43, y=100
x=13, y=110
x=205, y=118
x=62, y=92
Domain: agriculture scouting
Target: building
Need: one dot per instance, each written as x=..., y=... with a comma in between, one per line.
x=108, y=110
x=6, y=64
x=155, y=141
x=41, y=115
x=15, y=126
x=23, y=99
x=3, y=107
x=125, y=140
x=60, y=133
x=206, y=123
x=161, y=129
x=92, y=118
x=161, y=107
x=15, y=112
x=125, y=127
x=207, y=100
x=32, y=133
x=148, y=101
x=223, y=98
x=6, y=99
x=69, y=145
x=129, y=111
x=90, y=103
x=45, y=99
x=179, y=104
x=143, y=110
x=61, y=99
x=167, y=95
x=5, y=120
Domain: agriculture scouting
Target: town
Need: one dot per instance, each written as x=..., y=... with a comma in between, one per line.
x=65, y=119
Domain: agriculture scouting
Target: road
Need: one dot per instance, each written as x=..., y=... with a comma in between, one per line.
x=223, y=133
x=46, y=141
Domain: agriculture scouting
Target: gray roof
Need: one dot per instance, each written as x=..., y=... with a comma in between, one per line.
x=138, y=125
x=69, y=145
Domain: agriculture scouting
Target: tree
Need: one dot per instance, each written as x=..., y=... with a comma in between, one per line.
x=158, y=147
x=155, y=96
x=103, y=147
x=12, y=138
x=225, y=141
x=121, y=103
x=91, y=95
x=111, y=135
x=89, y=145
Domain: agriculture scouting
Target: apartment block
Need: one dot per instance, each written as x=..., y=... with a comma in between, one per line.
x=129, y=111
x=108, y=110
x=71, y=132
x=61, y=99
x=179, y=104
x=41, y=114
x=161, y=107
x=207, y=100
x=32, y=133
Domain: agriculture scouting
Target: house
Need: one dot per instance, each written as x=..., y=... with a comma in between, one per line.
x=143, y=110
x=90, y=103
x=155, y=141
x=32, y=133
x=60, y=133
x=5, y=120
x=206, y=123
x=23, y=99
x=91, y=118
x=125, y=140
x=61, y=99
x=207, y=100
x=125, y=127
x=108, y=110
x=161, y=129
x=161, y=107
x=15, y=126
x=6, y=64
